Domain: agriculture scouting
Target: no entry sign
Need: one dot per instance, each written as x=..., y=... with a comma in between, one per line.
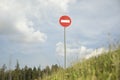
x=65, y=21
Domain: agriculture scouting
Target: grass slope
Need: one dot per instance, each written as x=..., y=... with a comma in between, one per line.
x=103, y=67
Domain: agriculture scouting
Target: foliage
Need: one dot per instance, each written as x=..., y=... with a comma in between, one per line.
x=103, y=67
x=26, y=73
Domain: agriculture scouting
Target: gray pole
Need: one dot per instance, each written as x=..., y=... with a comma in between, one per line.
x=64, y=47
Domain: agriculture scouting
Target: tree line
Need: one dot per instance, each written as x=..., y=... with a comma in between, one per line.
x=27, y=73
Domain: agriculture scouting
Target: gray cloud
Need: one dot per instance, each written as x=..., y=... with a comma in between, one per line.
x=95, y=17
x=23, y=17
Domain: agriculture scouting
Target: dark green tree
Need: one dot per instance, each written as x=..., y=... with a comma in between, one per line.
x=54, y=68
x=16, y=72
x=2, y=72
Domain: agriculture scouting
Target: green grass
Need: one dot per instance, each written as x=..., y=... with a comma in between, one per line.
x=103, y=67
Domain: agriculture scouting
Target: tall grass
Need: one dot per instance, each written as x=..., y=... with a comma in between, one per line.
x=103, y=67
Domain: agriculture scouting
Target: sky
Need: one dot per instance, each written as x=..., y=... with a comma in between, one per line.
x=30, y=31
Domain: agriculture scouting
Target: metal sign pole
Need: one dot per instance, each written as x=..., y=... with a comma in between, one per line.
x=65, y=21
x=64, y=47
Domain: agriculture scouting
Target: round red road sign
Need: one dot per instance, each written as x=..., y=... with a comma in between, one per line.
x=65, y=21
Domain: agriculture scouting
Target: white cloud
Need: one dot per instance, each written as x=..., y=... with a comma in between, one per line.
x=62, y=4
x=13, y=22
x=21, y=17
x=81, y=51
x=21, y=27
x=96, y=52
x=29, y=33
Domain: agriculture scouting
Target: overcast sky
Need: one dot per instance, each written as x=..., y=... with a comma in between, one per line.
x=30, y=31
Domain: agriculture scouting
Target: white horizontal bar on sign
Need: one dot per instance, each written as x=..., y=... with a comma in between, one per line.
x=65, y=21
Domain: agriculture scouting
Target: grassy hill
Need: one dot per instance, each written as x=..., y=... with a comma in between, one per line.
x=103, y=67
